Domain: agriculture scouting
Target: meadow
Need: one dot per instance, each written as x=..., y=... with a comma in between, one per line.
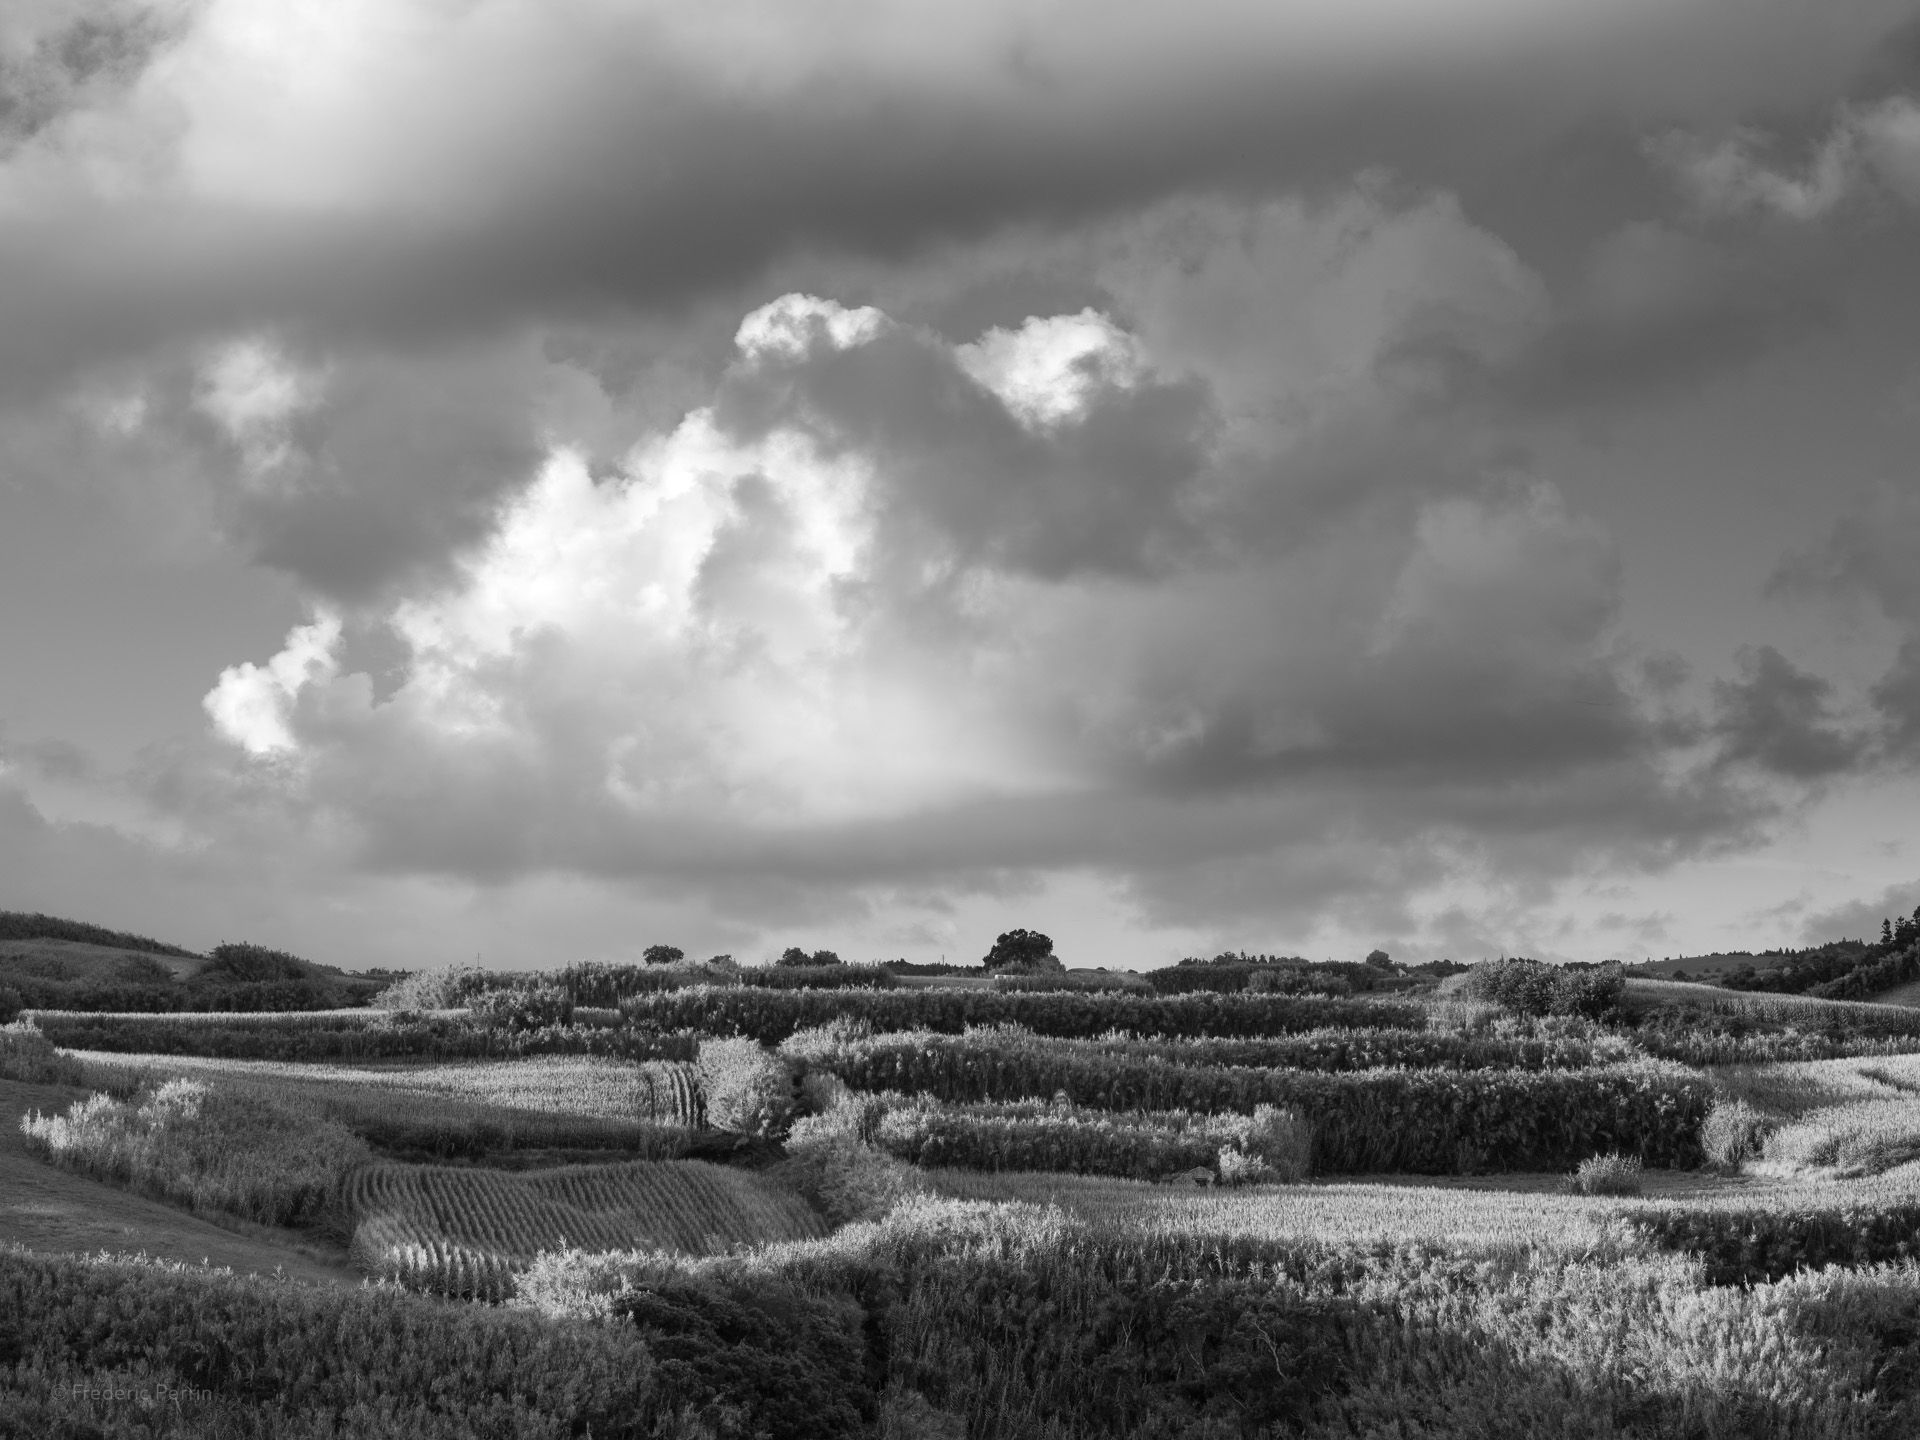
x=917, y=1209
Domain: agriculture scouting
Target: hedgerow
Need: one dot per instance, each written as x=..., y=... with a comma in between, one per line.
x=1367, y=1121
x=770, y=1016
x=1036, y=1135
x=124, y=1348
x=1747, y=1246
x=374, y=1036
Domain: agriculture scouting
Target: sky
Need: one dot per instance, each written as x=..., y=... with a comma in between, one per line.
x=527, y=480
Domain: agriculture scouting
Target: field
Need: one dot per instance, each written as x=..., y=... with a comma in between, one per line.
x=918, y=1210
x=465, y=1232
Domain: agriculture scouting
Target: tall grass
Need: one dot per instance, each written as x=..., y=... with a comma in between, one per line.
x=208, y=1149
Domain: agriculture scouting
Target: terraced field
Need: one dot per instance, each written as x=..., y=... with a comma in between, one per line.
x=465, y=1232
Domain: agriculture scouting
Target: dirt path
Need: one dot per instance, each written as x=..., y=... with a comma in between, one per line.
x=45, y=1208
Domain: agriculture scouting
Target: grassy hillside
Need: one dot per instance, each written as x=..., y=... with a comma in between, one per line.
x=49, y=963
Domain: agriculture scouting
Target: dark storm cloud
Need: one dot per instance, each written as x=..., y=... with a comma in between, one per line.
x=1869, y=557
x=1780, y=719
x=488, y=165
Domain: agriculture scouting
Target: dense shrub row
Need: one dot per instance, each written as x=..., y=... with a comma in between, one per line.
x=1366, y=1121
x=770, y=1016
x=1528, y=987
x=1139, y=1145
x=1346, y=1049
x=171, y=997
x=1230, y=974
x=346, y=1038
x=1748, y=1246
x=128, y=1348
x=1868, y=979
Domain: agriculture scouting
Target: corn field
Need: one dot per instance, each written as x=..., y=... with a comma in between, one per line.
x=460, y=1231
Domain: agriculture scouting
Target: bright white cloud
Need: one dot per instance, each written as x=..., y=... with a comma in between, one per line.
x=253, y=704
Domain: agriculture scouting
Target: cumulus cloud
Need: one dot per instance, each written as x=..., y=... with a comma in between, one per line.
x=893, y=609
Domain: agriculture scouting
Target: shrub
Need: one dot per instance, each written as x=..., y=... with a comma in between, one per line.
x=748, y=1089
x=447, y=988
x=1364, y=1121
x=1527, y=987
x=1732, y=1132
x=1282, y=1140
x=250, y=964
x=11, y=1004
x=1751, y=1245
x=27, y=1055
x=206, y=1148
x=1044, y=1135
x=1608, y=1175
x=1239, y=1168
x=770, y=1016
x=523, y=1007
x=830, y=1162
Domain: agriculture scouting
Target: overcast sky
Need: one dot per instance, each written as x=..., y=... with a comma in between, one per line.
x=535, y=478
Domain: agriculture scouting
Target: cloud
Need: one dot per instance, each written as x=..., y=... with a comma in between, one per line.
x=418, y=172
x=1867, y=558
x=1780, y=720
x=1860, y=919
x=893, y=610
x=1874, y=146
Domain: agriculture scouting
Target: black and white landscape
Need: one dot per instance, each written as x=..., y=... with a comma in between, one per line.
x=1001, y=719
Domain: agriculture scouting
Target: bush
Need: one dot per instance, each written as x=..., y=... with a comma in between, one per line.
x=1732, y=1132
x=748, y=1090
x=10, y=1004
x=447, y=988
x=250, y=964
x=527, y=1007
x=1751, y=1246
x=1527, y=987
x=1282, y=1141
x=206, y=1148
x=1043, y=1135
x=843, y=1177
x=27, y=1055
x=1608, y=1175
x=1239, y=1168
x=770, y=1016
x=1364, y=1121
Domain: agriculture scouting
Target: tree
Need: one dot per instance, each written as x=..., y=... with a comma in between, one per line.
x=824, y=957
x=663, y=954
x=794, y=955
x=1380, y=960
x=1024, y=950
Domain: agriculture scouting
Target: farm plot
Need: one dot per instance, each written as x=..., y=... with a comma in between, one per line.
x=594, y=1087
x=563, y=1103
x=466, y=1232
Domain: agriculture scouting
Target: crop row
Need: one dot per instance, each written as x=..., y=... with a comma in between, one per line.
x=770, y=1016
x=384, y=1037
x=1364, y=1122
x=1333, y=1048
x=1036, y=1136
x=464, y=1215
